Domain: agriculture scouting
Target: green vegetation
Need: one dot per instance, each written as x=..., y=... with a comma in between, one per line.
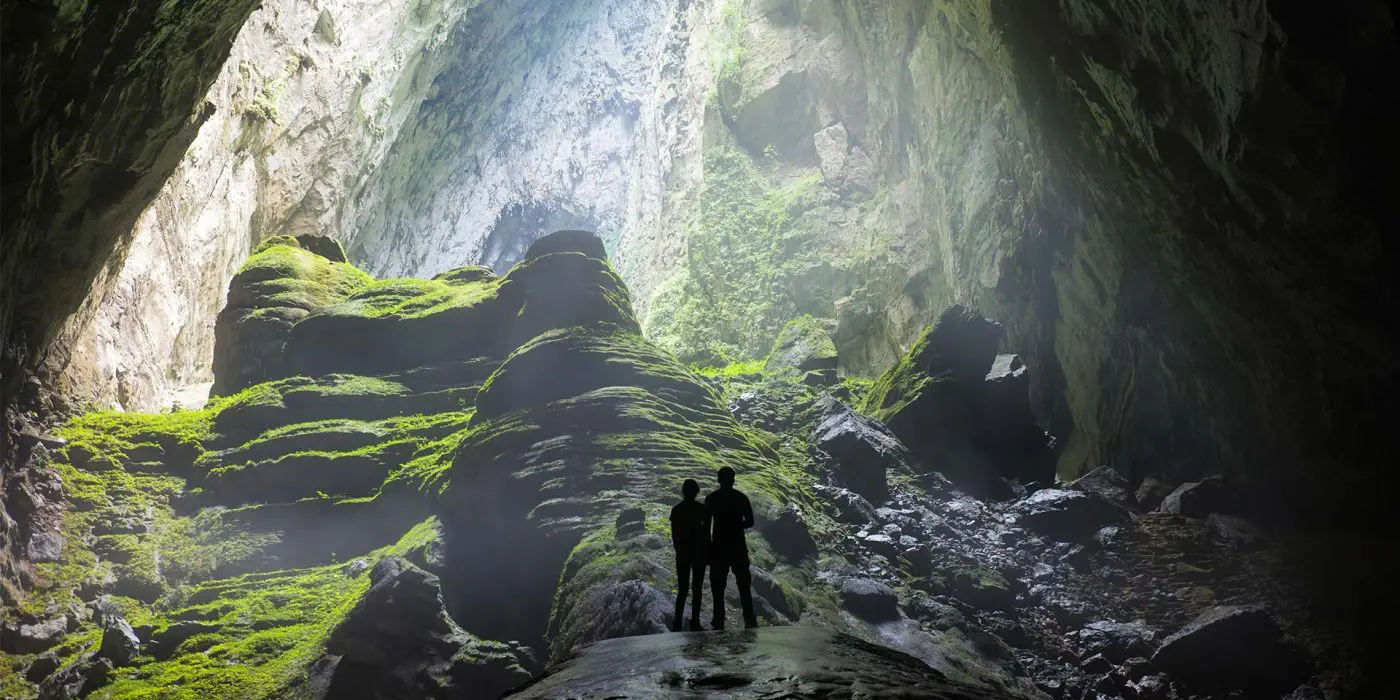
x=414, y=298
x=280, y=273
x=744, y=250
x=271, y=626
x=729, y=53
x=900, y=385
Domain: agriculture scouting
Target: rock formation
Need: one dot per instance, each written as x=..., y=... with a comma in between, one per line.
x=806, y=214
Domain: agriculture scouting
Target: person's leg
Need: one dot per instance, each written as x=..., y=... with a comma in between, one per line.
x=683, y=570
x=743, y=580
x=697, y=581
x=719, y=575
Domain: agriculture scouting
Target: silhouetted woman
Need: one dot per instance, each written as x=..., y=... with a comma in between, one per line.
x=690, y=533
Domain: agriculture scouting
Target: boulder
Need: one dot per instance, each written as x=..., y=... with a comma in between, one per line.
x=962, y=410
x=1232, y=648
x=34, y=637
x=869, y=599
x=802, y=345
x=1116, y=641
x=767, y=589
x=1067, y=515
x=1151, y=492
x=1107, y=482
x=1197, y=499
x=862, y=451
x=585, y=242
x=1006, y=429
x=630, y=522
x=398, y=641
x=77, y=679
x=119, y=642
x=1235, y=532
x=45, y=546
x=621, y=609
x=788, y=536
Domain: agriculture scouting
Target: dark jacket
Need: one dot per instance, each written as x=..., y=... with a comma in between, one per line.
x=690, y=529
x=730, y=515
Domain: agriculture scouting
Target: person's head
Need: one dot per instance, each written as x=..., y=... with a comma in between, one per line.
x=690, y=489
x=726, y=477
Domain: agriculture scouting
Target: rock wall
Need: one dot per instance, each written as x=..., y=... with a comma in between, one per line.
x=306, y=106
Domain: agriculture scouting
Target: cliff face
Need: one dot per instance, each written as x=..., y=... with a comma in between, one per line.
x=305, y=108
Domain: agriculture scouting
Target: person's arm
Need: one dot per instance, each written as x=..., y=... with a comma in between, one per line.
x=676, y=527
x=748, y=513
x=705, y=523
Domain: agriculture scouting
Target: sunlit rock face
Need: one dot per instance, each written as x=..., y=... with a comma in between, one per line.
x=307, y=104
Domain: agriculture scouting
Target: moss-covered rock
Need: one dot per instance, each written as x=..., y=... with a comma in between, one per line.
x=955, y=416
x=802, y=345
x=281, y=284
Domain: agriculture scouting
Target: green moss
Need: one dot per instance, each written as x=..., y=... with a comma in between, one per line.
x=900, y=385
x=280, y=273
x=271, y=627
x=744, y=250
x=746, y=369
x=414, y=298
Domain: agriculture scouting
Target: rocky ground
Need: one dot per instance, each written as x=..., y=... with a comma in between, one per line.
x=440, y=488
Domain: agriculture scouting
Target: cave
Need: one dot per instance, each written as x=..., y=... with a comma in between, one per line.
x=361, y=350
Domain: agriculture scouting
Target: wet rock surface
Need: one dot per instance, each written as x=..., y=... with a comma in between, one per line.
x=767, y=662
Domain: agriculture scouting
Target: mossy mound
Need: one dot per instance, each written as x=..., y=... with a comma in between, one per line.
x=280, y=284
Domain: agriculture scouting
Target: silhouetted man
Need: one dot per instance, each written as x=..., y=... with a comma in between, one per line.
x=730, y=515
x=690, y=533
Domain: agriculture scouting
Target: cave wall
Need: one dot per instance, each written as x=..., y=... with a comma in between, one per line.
x=304, y=108
x=1176, y=211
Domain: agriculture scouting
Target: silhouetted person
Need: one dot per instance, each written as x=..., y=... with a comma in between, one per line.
x=690, y=533
x=730, y=515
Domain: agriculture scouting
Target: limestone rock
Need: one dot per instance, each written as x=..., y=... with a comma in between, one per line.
x=398, y=641
x=1117, y=641
x=862, y=451
x=77, y=679
x=763, y=662
x=585, y=242
x=1108, y=483
x=279, y=285
x=1197, y=499
x=1151, y=492
x=32, y=638
x=1232, y=648
x=869, y=600
x=958, y=414
x=119, y=643
x=1067, y=515
x=788, y=535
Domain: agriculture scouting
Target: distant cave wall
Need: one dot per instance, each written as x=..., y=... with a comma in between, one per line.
x=537, y=113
